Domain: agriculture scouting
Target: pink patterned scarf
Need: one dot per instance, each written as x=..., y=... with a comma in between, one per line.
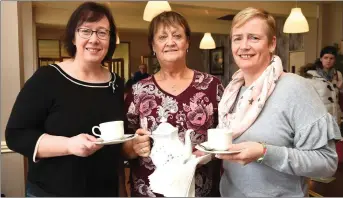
x=251, y=103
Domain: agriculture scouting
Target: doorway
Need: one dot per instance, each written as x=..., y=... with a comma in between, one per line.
x=123, y=52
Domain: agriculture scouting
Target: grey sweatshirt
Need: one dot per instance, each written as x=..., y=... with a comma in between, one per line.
x=299, y=134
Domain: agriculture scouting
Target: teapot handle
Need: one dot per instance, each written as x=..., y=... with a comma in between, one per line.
x=151, y=140
x=188, y=143
x=151, y=144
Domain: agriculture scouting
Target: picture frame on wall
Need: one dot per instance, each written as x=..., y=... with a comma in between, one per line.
x=217, y=61
x=296, y=42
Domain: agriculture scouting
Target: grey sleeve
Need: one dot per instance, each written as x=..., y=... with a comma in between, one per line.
x=313, y=153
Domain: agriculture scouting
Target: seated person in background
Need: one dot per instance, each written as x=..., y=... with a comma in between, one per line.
x=141, y=74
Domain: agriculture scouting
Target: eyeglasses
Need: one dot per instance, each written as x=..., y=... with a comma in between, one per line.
x=86, y=33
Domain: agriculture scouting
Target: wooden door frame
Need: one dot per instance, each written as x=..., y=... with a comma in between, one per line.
x=129, y=58
x=122, y=69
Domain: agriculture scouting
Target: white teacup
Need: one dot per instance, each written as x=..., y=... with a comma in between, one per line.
x=110, y=130
x=219, y=139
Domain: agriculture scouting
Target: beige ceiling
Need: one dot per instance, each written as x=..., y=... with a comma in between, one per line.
x=202, y=16
x=137, y=8
x=196, y=8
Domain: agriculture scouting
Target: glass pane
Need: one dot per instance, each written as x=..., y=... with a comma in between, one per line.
x=48, y=49
x=122, y=51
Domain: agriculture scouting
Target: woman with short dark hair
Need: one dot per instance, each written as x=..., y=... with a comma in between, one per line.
x=54, y=113
x=185, y=98
x=327, y=80
x=90, y=12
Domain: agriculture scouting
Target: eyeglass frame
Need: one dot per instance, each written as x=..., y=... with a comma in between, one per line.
x=96, y=32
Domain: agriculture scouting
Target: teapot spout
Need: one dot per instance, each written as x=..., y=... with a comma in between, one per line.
x=188, y=145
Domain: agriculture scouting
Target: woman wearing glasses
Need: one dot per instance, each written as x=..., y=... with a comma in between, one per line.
x=55, y=111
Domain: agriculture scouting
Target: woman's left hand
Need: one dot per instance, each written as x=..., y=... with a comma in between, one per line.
x=250, y=151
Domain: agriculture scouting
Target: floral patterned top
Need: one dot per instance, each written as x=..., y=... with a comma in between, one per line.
x=195, y=108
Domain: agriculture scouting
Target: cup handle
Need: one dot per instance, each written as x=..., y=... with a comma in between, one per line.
x=96, y=127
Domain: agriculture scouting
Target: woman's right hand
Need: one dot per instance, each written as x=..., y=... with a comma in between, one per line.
x=82, y=145
x=141, y=144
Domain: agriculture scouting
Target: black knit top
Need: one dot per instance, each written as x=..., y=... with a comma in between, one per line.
x=55, y=103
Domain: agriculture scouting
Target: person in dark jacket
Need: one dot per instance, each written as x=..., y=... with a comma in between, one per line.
x=141, y=74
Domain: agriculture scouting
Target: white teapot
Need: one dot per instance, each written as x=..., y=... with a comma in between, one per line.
x=168, y=148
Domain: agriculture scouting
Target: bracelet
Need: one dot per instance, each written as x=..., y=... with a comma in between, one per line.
x=259, y=160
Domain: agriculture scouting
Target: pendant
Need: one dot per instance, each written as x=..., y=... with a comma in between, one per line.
x=173, y=88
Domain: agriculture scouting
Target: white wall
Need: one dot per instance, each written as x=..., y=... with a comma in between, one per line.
x=332, y=31
x=28, y=39
x=17, y=65
x=311, y=41
x=12, y=164
x=10, y=59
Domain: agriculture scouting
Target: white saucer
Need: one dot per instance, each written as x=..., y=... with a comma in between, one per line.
x=126, y=137
x=214, y=151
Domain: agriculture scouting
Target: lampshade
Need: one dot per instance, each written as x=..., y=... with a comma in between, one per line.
x=296, y=22
x=153, y=8
x=118, y=39
x=207, y=42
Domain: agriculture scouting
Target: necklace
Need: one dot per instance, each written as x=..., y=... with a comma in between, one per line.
x=174, y=85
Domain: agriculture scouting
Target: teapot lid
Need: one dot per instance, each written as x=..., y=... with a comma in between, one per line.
x=164, y=127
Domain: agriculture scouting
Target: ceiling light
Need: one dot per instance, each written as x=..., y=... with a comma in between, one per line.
x=118, y=39
x=154, y=8
x=296, y=22
x=207, y=42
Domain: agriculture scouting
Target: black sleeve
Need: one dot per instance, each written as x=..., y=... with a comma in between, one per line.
x=30, y=110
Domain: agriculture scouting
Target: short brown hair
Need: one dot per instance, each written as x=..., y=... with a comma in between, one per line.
x=249, y=13
x=167, y=18
x=142, y=64
x=89, y=12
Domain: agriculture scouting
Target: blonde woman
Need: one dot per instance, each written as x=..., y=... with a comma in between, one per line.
x=278, y=121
